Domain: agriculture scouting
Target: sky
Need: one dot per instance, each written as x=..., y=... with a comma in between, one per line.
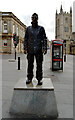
x=45, y=9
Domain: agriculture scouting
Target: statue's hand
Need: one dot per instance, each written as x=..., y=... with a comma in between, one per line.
x=44, y=51
x=25, y=51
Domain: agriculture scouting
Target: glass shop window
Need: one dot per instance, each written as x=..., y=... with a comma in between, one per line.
x=5, y=43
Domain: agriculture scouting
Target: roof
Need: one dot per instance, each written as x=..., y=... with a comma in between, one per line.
x=57, y=40
x=10, y=14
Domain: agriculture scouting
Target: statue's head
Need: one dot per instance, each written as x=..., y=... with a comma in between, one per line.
x=34, y=18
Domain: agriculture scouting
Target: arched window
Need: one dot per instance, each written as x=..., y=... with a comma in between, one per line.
x=66, y=20
x=5, y=27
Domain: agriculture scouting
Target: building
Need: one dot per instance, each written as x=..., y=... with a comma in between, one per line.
x=63, y=29
x=10, y=24
x=73, y=28
x=72, y=46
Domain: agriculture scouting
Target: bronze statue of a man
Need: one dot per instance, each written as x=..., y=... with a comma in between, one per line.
x=35, y=45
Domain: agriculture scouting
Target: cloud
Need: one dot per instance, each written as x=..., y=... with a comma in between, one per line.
x=26, y=19
x=46, y=9
x=50, y=30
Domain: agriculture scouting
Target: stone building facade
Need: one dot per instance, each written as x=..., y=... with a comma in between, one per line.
x=63, y=29
x=72, y=46
x=10, y=24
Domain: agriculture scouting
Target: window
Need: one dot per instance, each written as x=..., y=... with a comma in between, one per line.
x=58, y=22
x=0, y=26
x=5, y=27
x=66, y=20
x=66, y=29
x=13, y=28
x=5, y=43
x=17, y=30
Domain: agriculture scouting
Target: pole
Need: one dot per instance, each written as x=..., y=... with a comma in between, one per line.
x=15, y=52
x=18, y=63
x=65, y=57
x=65, y=52
x=70, y=49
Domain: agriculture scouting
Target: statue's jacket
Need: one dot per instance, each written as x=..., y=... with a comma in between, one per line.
x=35, y=39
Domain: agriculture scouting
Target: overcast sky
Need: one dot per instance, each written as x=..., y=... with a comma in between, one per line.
x=45, y=9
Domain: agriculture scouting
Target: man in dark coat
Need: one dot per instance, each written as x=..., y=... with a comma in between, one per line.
x=35, y=45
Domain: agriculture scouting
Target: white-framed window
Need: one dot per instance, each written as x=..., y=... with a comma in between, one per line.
x=13, y=28
x=5, y=27
x=17, y=30
x=5, y=43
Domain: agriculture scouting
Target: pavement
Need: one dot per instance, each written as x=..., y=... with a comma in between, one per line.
x=62, y=82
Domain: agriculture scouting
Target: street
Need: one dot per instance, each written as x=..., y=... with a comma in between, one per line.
x=62, y=82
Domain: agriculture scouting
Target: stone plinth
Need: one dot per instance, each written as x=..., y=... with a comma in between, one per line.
x=12, y=60
x=36, y=101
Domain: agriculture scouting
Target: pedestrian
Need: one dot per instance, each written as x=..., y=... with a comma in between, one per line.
x=35, y=45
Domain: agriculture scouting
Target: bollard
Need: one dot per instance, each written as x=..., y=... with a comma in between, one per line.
x=18, y=63
x=15, y=52
x=64, y=58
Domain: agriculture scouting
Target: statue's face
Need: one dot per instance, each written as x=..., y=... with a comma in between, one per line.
x=34, y=18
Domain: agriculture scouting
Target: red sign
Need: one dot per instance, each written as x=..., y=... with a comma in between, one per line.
x=57, y=59
x=58, y=44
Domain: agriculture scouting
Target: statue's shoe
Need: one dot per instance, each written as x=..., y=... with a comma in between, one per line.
x=28, y=81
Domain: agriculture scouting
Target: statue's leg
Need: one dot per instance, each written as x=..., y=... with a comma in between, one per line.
x=39, y=71
x=30, y=58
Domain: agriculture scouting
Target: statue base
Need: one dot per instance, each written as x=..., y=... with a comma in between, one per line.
x=36, y=101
